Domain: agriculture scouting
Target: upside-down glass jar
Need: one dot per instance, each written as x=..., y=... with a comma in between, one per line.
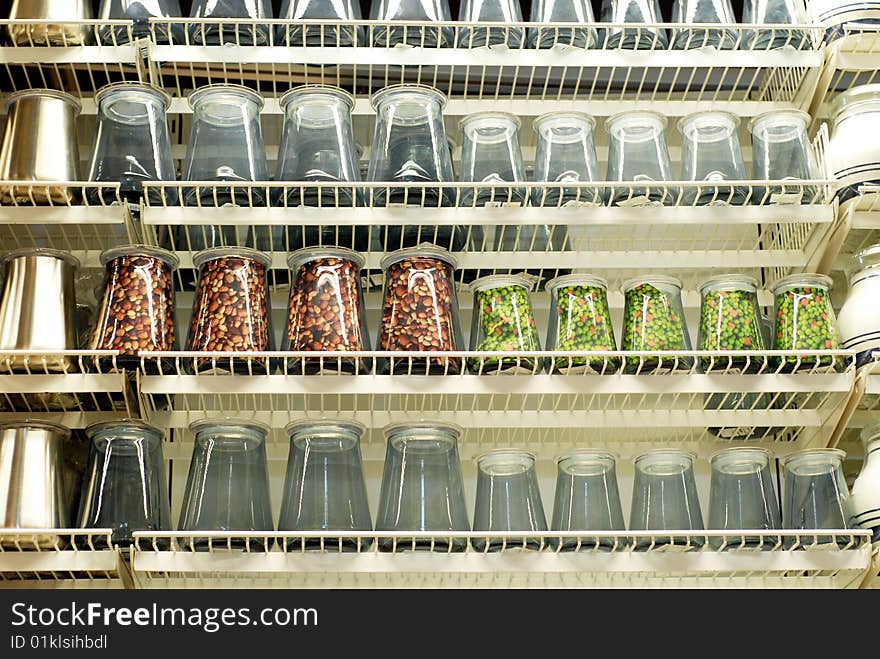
x=654, y=321
x=136, y=307
x=231, y=309
x=420, y=310
x=804, y=321
x=325, y=311
x=730, y=319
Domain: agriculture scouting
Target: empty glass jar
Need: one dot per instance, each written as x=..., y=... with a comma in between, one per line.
x=299, y=35
x=324, y=487
x=508, y=500
x=704, y=11
x=503, y=321
x=227, y=487
x=416, y=12
x=566, y=153
x=665, y=499
x=777, y=16
x=131, y=144
x=490, y=154
x=638, y=155
x=711, y=152
x=231, y=310
x=422, y=488
x=648, y=37
x=242, y=32
x=490, y=11
x=225, y=144
x=587, y=499
x=854, y=148
x=136, y=309
x=124, y=488
x=562, y=11
x=140, y=12
x=326, y=309
x=654, y=320
x=781, y=151
x=816, y=495
x=420, y=310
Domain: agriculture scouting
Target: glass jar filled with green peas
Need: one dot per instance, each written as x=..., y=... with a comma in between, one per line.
x=730, y=319
x=804, y=320
x=654, y=321
x=503, y=320
x=580, y=320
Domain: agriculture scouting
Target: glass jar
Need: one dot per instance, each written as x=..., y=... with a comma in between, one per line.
x=243, y=33
x=804, y=320
x=637, y=152
x=859, y=319
x=297, y=34
x=227, y=488
x=773, y=14
x=635, y=37
x=563, y=11
x=711, y=152
x=781, y=151
x=136, y=308
x=654, y=320
x=326, y=310
x=865, y=495
x=124, y=488
x=231, y=309
x=131, y=144
x=704, y=11
x=490, y=11
x=422, y=487
x=490, y=153
x=580, y=319
x=503, y=321
x=730, y=319
x=816, y=496
x=139, y=12
x=853, y=151
x=420, y=310
x=566, y=153
x=413, y=11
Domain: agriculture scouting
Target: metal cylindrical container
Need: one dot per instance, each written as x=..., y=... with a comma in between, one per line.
x=37, y=306
x=40, y=145
x=49, y=34
x=36, y=489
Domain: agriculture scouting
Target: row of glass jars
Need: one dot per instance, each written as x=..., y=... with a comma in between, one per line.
x=410, y=146
x=778, y=14
x=124, y=487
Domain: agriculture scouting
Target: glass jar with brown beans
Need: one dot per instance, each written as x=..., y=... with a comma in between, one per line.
x=136, y=303
x=231, y=309
x=420, y=310
x=325, y=312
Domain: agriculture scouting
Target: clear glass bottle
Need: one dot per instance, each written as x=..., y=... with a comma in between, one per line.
x=239, y=33
x=637, y=152
x=781, y=151
x=711, y=152
x=132, y=143
x=490, y=11
x=422, y=487
x=419, y=12
x=298, y=35
x=859, y=318
x=326, y=310
x=503, y=321
x=420, y=310
x=865, y=496
x=636, y=37
x=227, y=488
x=562, y=11
x=853, y=150
x=566, y=153
x=704, y=11
x=654, y=320
x=225, y=144
x=490, y=153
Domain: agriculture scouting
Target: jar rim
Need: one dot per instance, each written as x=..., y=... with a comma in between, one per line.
x=62, y=430
x=133, y=86
x=328, y=90
x=70, y=99
x=138, y=248
x=733, y=278
x=377, y=97
x=564, y=114
x=647, y=279
x=487, y=114
x=764, y=116
x=497, y=281
x=679, y=453
x=393, y=429
x=39, y=251
x=802, y=279
x=95, y=428
x=301, y=425
x=229, y=422
x=428, y=250
x=812, y=452
x=576, y=279
x=194, y=96
x=733, y=450
x=601, y=454
x=306, y=254
x=203, y=256
x=614, y=118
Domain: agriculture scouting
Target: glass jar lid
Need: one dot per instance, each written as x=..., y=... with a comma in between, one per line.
x=423, y=250
x=708, y=126
x=213, y=253
x=44, y=93
x=136, y=249
x=623, y=121
x=125, y=427
x=779, y=118
x=802, y=280
x=563, y=118
x=737, y=458
x=137, y=87
x=39, y=251
x=229, y=424
x=854, y=97
x=220, y=88
x=586, y=462
x=492, y=119
x=576, y=279
x=506, y=461
x=303, y=92
x=664, y=461
x=500, y=281
x=36, y=424
x=422, y=429
x=404, y=88
x=806, y=462
x=349, y=432
x=662, y=280
x=306, y=254
x=732, y=282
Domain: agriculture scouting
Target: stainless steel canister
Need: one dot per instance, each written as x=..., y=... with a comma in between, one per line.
x=37, y=307
x=62, y=33
x=39, y=145
x=41, y=471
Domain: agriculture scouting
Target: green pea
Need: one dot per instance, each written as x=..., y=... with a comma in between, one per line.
x=651, y=323
x=584, y=323
x=730, y=320
x=804, y=320
x=503, y=321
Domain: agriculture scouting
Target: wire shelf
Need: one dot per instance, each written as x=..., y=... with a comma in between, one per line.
x=58, y=557
x=666, y=401
x=606, y=77
x=832, y=558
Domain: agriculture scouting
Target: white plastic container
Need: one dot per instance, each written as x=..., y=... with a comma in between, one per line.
x=865, y=494
x=859, y=317
x=853, y=152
